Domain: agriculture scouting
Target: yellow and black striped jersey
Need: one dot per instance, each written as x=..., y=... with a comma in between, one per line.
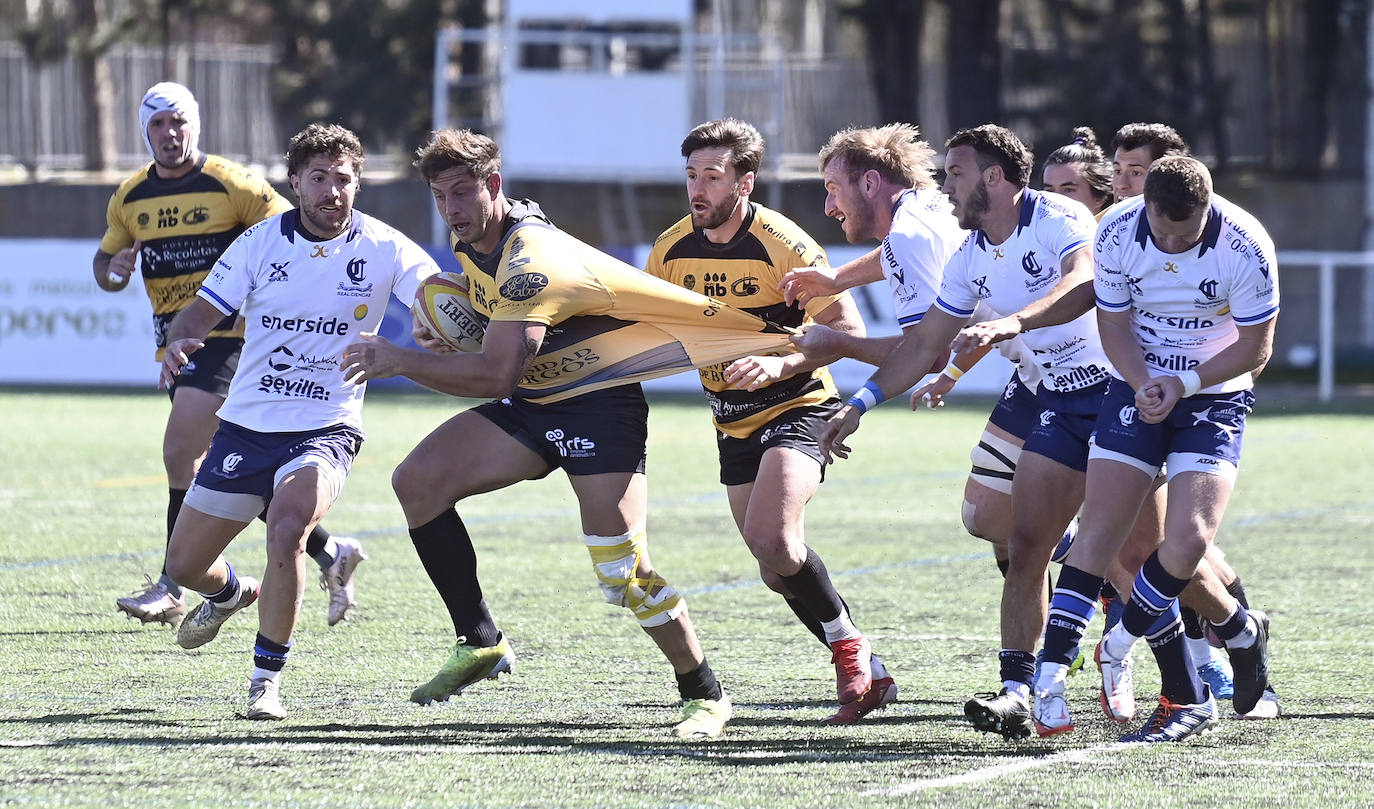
x=184, y=225
x=608, y=323
x=745, y=273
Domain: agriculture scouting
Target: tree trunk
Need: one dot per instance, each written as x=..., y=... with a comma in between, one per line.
x=95, y=87
x=975, y=62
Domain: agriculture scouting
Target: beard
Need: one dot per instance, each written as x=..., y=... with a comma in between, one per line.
x=325, y=224
x=713, y=218
x=971, y=213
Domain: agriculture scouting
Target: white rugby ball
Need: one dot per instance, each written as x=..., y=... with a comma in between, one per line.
x=444, y=308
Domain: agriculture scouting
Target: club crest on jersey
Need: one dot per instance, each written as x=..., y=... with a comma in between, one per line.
x=354, y=287
x=525, y=286
x=1209, y=288
x=745, y=287
x=1127, y=415
x=231, y=462
x=689, y=281
x=1031, y=265
x=1046, y=417
x=196, y=215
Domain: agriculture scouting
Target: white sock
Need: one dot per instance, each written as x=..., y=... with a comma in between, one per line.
x=1052, y=677
x=260, y=673
x=841, y=628
x=1018, y=688
x=1247, y=636
x=1118, y=643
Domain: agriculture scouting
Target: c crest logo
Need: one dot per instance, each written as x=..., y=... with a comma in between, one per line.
x=1127, y=415
x=1046, y=417
x=1208, y=288
x=355, y=270
x=1031, y=265
x=231, y=462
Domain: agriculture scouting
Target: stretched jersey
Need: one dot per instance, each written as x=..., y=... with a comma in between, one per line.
x=1185, y=307
x=304, y=301
x=745, y=273
x=609, y=324
x=924, y=234
x=1023, y=269
x=185, y=224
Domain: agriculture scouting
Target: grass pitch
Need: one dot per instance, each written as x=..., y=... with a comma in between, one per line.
x=98, y=711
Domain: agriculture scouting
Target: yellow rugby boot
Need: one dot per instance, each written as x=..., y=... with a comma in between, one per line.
x=703, y=718
x=467, y=665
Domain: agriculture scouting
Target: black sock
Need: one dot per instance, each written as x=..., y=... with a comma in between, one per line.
x=447, y=554
x=1192, y=622
x=699, y=683
x=174, y=499
x=812, y=586
x=811, y=622
x=1004, y=565
x=314, y=542
x=1237, y=591
x=1108, y=591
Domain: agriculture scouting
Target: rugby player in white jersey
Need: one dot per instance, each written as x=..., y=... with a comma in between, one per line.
x=1028, y=260
x=307, y=282
x=1187, y=299
x=170, y=220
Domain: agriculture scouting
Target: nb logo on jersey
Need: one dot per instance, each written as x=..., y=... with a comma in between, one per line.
x=1030, y=265
x=355, y=270
x=1208, y=288
x=1046, y=417
x=231, y=462
x=997, y=253
x=1169, y=266
x=713, y=285
x=745, y=287
x=320, y=252
x=1127, y=415
x=982, y=284
x=168, y=217
x=278, y=271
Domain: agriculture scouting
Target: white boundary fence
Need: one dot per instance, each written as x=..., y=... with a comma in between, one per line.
x=1327, y=263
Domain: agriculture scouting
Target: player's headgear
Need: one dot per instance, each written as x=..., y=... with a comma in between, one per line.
x=168, y=95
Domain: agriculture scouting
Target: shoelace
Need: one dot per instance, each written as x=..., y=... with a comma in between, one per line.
x=849, y=664
x=1162, y=714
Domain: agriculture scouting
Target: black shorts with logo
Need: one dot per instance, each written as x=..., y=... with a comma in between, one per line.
x=595, y=433
x=211, y=368
x=799, y=428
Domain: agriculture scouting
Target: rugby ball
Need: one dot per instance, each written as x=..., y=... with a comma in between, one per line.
x=442, y=306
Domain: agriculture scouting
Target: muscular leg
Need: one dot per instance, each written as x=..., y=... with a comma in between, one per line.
x=298, y=504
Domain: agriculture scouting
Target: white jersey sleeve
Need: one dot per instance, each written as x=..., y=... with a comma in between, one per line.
x=232, y=280
x=923, y=236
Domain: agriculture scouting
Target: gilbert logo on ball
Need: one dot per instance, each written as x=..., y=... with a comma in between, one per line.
x=445, y=309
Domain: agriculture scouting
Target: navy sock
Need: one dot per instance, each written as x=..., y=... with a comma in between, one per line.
x=229, y=589
x=1192, y=622
x=1154, y=592
x=1071, y=607
x=699, y=683
x=1233, y=626
x=314, y=542
x=812, y=586
x=270, y=655
x=1017, y=666
x=446, y=551
x=1178, y=679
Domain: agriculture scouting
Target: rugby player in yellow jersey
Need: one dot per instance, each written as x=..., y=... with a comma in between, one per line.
x=570, y=332
x=177, y=214
x=768, y=410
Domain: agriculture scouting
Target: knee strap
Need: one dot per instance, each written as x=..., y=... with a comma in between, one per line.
x=653, y=600
x=994, y=462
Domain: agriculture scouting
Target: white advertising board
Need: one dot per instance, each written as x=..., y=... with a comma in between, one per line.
x=57, y=327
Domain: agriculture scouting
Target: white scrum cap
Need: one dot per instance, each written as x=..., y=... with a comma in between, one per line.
x=168, y=95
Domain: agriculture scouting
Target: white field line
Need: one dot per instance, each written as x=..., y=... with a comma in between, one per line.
x=992, y=773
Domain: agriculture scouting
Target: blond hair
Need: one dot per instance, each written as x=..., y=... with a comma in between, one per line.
x=895, y=151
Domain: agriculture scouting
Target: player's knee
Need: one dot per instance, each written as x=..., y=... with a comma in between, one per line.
x=616, y=560
x=410, y=482
x=994, y=462
x=776, y=551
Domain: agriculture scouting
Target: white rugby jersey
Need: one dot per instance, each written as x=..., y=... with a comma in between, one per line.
x=924, y=234
x=1186, y=306
x=304, y=301
x=1008, y=277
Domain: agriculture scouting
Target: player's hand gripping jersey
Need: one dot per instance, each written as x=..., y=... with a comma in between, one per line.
x=609, y=324
x=1021, y=270
x=1186, y=306
x=745, y=273
x=184, y=225
x=304, y=301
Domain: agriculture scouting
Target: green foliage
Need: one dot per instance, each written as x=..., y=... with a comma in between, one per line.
x=98, y=711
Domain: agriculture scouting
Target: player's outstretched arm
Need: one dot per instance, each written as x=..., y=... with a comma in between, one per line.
x=932, y=394
x=802, y=284
x=842, y=318
x=507, y=351
x=1069, y=298
x=185, y=336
